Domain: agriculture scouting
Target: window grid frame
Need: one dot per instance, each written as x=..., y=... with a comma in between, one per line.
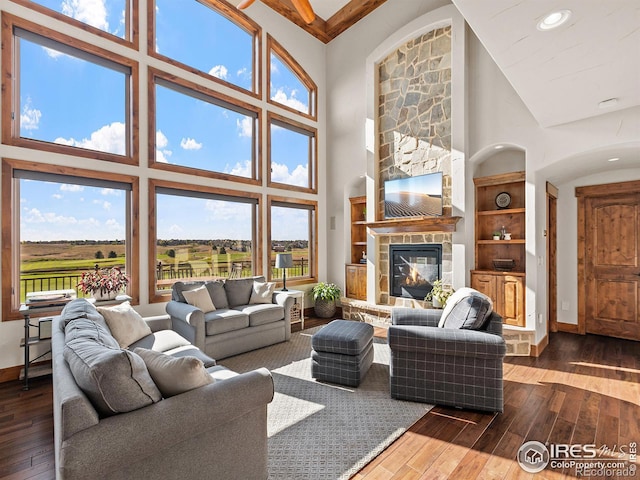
x=132, y=35
x=11, y=95
x=155, y=74
x=287, y=59
x=312, y=207
x=155, y=295
x=230, y=13
x=11, y=227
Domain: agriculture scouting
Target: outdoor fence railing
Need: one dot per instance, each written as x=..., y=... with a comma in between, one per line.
x=164, y=274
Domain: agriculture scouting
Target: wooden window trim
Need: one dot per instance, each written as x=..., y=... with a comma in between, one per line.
x=132, y=36
x=313, y=154
x=11, y=104
x=313, y=236
x=154, y=184
x=154, y=75
x=9, y=225
x=234, y=15
x=285, y=57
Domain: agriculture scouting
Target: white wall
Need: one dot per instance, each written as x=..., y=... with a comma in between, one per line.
x=495, y=115
x=309, y=53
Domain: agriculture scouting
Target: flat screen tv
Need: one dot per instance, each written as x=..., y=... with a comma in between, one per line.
x=419, y=196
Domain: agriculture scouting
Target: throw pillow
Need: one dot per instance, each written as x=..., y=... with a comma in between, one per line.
x=466, y=308
x=174, y=375
x=199, y=298
x=126, y=325
x=262, y=292
x=114, y=379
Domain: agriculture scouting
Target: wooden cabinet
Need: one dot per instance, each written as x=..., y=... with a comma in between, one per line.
x=506, y=288
x=356, y=281
x=356, y=272
x=507, y=292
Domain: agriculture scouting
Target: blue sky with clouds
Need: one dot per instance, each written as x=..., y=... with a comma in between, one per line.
x=82, y=104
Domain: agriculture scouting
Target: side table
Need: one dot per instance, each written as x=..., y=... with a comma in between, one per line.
x=298, y=295
x=28, y=341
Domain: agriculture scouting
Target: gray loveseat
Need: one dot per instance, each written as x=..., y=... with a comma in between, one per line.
x=236, y=325
x=218, y=430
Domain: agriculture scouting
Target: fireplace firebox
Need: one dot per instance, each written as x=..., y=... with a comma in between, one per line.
x=413, y=269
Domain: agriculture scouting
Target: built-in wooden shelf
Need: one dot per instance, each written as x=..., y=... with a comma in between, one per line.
x=414, y=225
x=501, y=242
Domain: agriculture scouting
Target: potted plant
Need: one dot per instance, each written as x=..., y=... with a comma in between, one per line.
x=325, y=296
x=439, y=295
x=496, y=235
x=104, y=284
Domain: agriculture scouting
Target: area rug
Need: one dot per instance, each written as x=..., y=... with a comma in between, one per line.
x=321, y=431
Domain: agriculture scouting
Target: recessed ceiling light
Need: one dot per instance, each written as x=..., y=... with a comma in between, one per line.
x=614, y=159
x=554, y=20
x=609, y=102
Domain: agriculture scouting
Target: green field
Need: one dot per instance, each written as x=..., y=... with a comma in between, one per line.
x=54, y=266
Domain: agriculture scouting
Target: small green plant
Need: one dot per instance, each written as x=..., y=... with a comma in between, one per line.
x=325, y=291
x=496, y=233
x=439, y=292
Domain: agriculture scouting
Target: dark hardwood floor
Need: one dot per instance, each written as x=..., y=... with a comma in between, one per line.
x=582, y=389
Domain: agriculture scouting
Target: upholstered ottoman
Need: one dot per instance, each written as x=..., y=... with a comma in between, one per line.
x=342, y=352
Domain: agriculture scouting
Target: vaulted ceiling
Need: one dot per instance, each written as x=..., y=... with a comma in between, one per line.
x=562, y=75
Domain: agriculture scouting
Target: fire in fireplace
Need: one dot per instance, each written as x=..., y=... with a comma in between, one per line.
x=413, y=269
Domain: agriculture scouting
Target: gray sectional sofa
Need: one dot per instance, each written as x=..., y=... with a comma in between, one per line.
x=237, y=324
x=118, y=426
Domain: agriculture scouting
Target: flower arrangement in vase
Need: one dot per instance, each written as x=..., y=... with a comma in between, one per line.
x=439, y=295
x=104, y=284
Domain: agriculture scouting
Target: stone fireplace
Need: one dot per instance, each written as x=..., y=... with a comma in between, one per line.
x=413, y=269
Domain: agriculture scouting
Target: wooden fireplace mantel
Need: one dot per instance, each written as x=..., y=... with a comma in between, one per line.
x=414, y=225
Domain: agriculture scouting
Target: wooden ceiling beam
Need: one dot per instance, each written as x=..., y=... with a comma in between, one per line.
x=325, y=31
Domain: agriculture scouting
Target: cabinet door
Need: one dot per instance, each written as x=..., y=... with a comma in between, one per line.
x=487, y=285
x=351, y=280
x=512, y=303
x=361, y=283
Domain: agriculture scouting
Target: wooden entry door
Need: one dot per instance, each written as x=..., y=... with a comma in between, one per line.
x=609, y=270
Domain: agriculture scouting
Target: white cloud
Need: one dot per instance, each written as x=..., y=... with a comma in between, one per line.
x=30, y=117
x=160, y=158
x=110, y=138
x=299, y=176
x=245, y=127
x=110, y=191
x=190, y=144
x=161, y=139
x=243, y=73
x=241, y=169
x=289, y=100
x=219, y=71
x=57, y=196
x=105, y=205
x=67, y=187
x=175, y=229
x=92, y=12
x=34, y=215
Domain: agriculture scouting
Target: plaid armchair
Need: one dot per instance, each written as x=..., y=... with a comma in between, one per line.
x=446, y=366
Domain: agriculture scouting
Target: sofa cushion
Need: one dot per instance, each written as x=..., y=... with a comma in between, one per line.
x=90, y=330
x=239, y=290
x=262, y=292
x=80, y=308
x=216, y=291
x=161, y=341
x=115, y=380
x=174, y=375
x=227, y=320
x=262, y=313
x=200, y=298
x=191, y=351
x=466, y=308
x=126, y=325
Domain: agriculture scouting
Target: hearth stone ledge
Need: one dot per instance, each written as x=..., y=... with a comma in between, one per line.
x=518, y=340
